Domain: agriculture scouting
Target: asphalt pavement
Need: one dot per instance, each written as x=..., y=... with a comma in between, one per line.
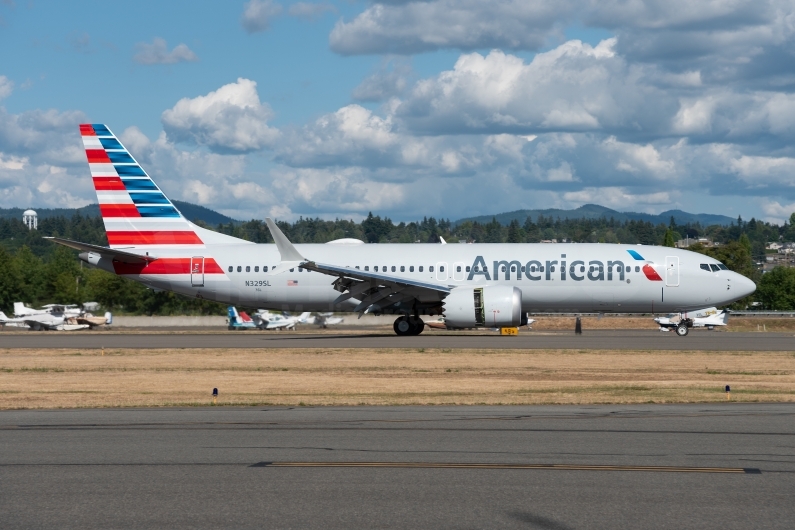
x=526, y=340
x=721, y=466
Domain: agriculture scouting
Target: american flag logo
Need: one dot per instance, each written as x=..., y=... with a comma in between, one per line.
x=292, y=283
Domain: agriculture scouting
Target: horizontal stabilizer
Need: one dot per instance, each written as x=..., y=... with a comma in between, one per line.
x=110, y=253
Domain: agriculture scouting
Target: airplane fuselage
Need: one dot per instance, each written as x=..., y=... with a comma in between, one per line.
x=552, y=277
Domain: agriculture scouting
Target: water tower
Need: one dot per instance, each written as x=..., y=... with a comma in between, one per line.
x=31, y=219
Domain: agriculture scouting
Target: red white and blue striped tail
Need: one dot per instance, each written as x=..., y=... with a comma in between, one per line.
x=135, y=211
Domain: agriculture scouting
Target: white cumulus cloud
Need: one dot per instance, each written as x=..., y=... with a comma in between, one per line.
x=230, y=119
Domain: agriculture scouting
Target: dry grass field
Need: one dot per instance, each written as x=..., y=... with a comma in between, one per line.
x=146, y=378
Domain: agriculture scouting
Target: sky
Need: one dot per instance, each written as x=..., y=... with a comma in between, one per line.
x=445, y=108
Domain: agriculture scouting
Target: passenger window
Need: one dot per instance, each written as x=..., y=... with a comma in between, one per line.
x=441, y=268
x=393, y=268
x=637, y=268
x=541, y=268
x=582, y=268
x=256, y=268
x=375, y=268
x=367, y=267
x=513, y=268
x=715, y=268
x=231, y=268
x=704, y=266
x=468, y=268
x=411, y=268
x=430, y=268
x=248, y=268
x=629, y=269
x=402, y=268
x=265, y=268
x=420, y=268
x=503, y=268
x=723, y=267
x=302, y=270
x=239, y=268
x=552, y=268
x=292, y=270
x=357, y=267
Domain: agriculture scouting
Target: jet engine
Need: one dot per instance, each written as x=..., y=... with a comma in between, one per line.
x=498, y=306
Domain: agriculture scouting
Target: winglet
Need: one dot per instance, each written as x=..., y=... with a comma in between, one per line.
x=290, y=257
x=442, y=241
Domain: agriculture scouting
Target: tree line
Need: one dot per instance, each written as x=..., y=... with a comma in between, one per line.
x=37, y=272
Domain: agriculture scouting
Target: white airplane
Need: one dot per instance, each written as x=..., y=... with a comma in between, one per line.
x=477, y=285
x=43, y=322
x=264, y=319
x=21, y=310
x=708, y=318
x=323, y=320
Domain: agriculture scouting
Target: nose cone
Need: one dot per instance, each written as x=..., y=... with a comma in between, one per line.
x=743, y=285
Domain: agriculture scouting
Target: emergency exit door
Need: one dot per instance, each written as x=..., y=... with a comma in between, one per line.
x=197, y=271
x=672, y=271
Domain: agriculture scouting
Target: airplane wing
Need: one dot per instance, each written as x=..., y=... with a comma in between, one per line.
x=114, y=254
x=373, y=290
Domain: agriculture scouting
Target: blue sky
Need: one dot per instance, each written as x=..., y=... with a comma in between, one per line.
x=442, y=107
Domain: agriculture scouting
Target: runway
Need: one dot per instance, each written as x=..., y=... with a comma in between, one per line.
x=596, y=339
x=720, y=466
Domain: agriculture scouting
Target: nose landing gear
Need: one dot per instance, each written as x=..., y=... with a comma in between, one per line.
x=406, y=326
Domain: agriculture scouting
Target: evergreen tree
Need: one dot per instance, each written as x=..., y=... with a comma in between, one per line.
x=668, y=241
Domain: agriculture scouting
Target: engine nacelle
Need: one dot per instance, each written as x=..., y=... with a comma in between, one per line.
x=497, y=306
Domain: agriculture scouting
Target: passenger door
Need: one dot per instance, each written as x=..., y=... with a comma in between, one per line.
x=197, y=271
x=672, y=271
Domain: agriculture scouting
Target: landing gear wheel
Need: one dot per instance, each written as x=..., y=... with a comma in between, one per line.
x=417, y=325
x=682, y=330
x=403, y=327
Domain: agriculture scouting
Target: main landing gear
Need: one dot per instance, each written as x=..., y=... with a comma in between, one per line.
x=406, y=325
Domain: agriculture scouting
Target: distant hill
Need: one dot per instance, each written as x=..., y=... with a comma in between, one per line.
x=594, y=211
x=191, y=211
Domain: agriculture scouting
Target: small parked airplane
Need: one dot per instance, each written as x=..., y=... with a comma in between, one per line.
x=324, y=320
x=262, y=319
x=56, y=317
x=21, y=310
x=708, y=318
x=43, y=321
x=239, y=319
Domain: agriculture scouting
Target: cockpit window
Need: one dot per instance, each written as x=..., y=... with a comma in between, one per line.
x=705, y=267
x=723, y=267
x=715, y=268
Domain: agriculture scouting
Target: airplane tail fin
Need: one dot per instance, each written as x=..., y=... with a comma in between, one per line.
x=134, y=209
x=3, y=317
x=725, y=316
x=20, y=309
x=108, y=318
x=232, y=313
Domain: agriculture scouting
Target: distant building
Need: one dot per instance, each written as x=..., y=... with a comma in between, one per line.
x=704, y=241
x=549, y=240
x=31, y=219
x=774, y=246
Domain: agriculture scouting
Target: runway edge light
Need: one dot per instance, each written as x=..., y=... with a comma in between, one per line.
x=215, y=396
x=728, y=392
